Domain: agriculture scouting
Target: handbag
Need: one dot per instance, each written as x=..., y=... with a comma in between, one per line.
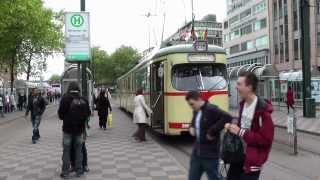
x=232, y=149
x=109, y=120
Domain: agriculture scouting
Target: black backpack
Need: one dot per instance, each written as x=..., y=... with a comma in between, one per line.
x=78, y=110
x=232, y=150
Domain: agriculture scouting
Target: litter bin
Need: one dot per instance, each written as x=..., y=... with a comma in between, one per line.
x=310, y=107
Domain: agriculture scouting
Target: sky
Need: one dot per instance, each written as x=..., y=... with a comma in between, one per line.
x=123, y=22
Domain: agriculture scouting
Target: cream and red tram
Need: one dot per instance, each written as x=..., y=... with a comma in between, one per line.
x=167, y=76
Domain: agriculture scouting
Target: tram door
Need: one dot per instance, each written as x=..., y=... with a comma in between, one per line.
x=157, y=96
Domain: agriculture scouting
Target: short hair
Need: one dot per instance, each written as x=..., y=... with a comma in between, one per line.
x=193, y=95
x=139, y=91
x=251, y=80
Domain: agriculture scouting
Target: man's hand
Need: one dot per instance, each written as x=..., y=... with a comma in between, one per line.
x=209, y=137
x=234, y=129
x=26, y=114
x=192, y=131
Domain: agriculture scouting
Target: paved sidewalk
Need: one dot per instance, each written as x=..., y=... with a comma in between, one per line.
x=113, y=155
x=279, y=116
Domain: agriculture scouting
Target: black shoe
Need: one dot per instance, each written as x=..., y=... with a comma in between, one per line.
x=86, y=169
x=34, y=141
x=64, y=176
x=79, y=174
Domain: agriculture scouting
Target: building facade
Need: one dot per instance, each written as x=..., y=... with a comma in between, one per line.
x=246, y=33
x=285, y=49
x=208, y=22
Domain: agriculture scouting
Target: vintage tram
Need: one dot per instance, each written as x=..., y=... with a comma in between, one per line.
x=167, y=75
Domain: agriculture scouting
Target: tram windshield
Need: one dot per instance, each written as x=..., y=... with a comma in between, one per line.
x=188, y=77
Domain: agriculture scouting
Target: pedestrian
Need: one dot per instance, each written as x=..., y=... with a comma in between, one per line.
x=103, y=104
x=73, y=111
x=7, y=103
x=140, y=116
x=13, y=103
x=20, y=101
x=207, y=122
x=1, y=105
x=37, y=107
x=254, y=127
x=290, y=99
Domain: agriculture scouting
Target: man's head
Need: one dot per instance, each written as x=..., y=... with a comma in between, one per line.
x=73, y=88
x=247, y=84
x=194, y=100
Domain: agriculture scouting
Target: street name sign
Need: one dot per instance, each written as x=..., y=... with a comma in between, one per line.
x=77, y=37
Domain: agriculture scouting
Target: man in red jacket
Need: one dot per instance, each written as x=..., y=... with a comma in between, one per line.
x=255, y=127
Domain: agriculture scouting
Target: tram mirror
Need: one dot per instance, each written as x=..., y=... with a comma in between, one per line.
x=160, y=72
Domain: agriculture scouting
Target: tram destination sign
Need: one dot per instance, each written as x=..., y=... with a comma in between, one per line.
x=77, y=37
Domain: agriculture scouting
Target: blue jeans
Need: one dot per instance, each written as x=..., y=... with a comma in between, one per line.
x=200, y=165
x=75, y=141
x=35, y=120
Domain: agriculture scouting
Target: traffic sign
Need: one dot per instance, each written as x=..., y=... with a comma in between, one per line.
x=77, y=37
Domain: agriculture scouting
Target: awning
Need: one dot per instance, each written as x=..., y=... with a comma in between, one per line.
x=262, y=71
x=291, y=76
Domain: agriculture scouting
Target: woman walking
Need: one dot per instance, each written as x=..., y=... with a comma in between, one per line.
x=103, y=104
x=290, y=99
x=140, y=114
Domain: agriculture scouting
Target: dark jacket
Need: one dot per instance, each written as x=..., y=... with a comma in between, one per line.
x=103, y=104
x=37, y=109
x=212, y=122
x=69, y=118
x=259, y=137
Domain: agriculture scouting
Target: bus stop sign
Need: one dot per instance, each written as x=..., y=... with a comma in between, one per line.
x=77, y=37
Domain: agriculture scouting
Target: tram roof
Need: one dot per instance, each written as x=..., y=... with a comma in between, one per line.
x=181, y=48
x=187, y=48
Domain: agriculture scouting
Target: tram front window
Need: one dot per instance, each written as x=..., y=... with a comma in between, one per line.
x=199, y=77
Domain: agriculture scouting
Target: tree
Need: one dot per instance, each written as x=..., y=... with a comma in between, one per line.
x=108, y=68
x=29, y=33
x=55, y=78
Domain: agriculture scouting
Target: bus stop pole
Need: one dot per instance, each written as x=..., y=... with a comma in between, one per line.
x=84, y=64
x=78, y=75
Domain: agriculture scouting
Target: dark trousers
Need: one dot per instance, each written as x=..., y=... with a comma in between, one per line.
x=140, y=134
x=236, y=173
x=35, y=120
x=103, y=121
x=199, y=165
x=84, y=156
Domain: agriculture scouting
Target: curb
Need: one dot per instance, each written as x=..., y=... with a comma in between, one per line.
x=300, y=130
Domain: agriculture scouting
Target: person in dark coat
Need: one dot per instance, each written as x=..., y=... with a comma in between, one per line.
x=207, y=122
x=73, y=111
x=103, y=105
x=290, y=99
x=37, y=106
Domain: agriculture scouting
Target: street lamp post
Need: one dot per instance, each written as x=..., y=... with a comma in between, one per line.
x=84, y=64
x=306, y=70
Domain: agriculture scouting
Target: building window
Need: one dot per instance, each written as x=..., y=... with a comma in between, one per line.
x=261, y=24
x=245, y=14
x=250, y=45
x=318, y=6
x=234, y=34
x=275, y=10
x=286, y=51
x=260, y=7
x=276, y=49
x=281, y=53
x=280, y=9
x=281, y=30
x=234, y=19
x=244, y=46
x=234, y=49
x=296, y=49
x=295, y=20
x=246, y=30
x=225, y=25
x=261, y=41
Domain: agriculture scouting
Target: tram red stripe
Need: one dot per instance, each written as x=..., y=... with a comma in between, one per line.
x=179, y=125
x=205, y=95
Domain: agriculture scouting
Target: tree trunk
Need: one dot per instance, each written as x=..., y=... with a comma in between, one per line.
x=12, y=72
x=28, y=69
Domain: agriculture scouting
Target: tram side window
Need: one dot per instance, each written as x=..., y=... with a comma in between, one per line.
x=187, y=77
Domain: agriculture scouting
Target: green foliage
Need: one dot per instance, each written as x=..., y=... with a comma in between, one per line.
x=29, y=33
x=108, y=68
x=55, y=78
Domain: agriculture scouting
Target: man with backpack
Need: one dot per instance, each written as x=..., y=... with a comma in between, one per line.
x=73, y=110
x=207, y=122
x=37, y=106
x=254, y=127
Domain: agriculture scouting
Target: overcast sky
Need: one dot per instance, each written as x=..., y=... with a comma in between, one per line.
x=121, y=22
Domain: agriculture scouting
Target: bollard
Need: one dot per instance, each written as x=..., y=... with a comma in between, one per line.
x=292, y=131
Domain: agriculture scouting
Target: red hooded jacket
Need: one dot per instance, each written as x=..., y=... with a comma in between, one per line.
x=259, y=137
